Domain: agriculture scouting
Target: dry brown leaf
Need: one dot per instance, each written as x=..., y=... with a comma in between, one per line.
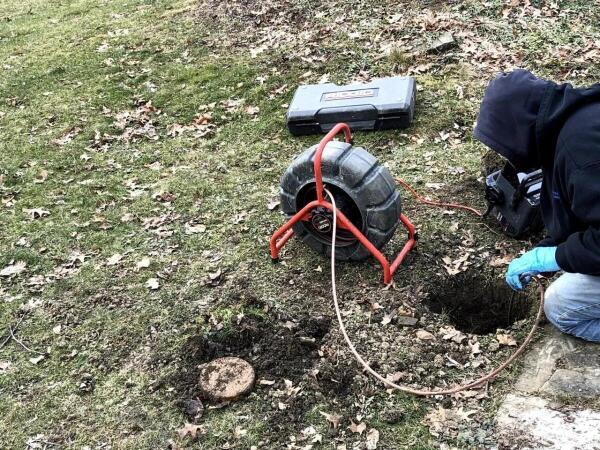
x=273, y=205
x=36, y=359
x=372, y=439
x=506, y=339
x=501, y=261
x=191, y=429
x=127, y=217
x=194, y=229
x=215, y=276
x=333, y=418
x=395, y=377
x=143, y=263
x=440, y=419
x=387, y=318
x=152, y=283
x=36, y=213
x=67, y=136
x=13, y=269
x=114, y=259
x=425, y=335
x=358, y=428
x=451, y=333
x=41, y=177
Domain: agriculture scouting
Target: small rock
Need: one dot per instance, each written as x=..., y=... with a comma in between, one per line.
x=406, y=321
x=425, y=335
x=444, y=42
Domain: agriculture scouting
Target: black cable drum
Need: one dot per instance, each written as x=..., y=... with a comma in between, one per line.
x=364, y=191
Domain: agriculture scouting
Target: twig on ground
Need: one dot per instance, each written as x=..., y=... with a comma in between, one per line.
x=3, y=343
x=10, y=332
x=11, y=336
x=21, y=343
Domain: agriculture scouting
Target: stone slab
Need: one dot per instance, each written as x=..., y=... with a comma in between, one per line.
x=528, y=422
x=574, y=383
x=540, y=362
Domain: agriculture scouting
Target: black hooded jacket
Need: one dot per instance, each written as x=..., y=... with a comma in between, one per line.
x=537, y=123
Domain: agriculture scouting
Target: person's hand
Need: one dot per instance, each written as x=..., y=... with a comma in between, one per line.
x=538, y=260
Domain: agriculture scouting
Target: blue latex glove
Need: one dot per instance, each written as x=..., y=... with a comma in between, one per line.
x=538, y=260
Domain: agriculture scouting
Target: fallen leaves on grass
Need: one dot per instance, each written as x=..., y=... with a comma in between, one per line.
x=501, y=261
x=372, y=439
x=143, y=263
x=36, y=213
x=395, y=377
x=67, y=136
x=214, y=278
x=201, y=126
x=152, y=284
x=312, y=434
x=333, y=418
x=358, y=428
x=36, y=359
x=458, y=265
x=41, y=177
x=190, y=429
x=138, y=123
x=506, y=339
x=114, y=259
x=441, y=420
x=194, y=229
x=13, y=269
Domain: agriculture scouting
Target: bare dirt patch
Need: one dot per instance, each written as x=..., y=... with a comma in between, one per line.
x=273, y=350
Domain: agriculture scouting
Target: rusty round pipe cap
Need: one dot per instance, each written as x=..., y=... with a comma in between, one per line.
x=225, y=379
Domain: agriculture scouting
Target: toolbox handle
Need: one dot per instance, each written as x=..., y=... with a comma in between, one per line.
x=319, y=154
x=528, y=180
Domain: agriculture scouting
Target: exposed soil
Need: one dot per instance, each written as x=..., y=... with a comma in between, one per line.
x=478, y=303
x=277, y=351
x=273, y=350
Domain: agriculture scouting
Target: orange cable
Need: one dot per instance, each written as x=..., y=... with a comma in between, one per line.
x=425, y=392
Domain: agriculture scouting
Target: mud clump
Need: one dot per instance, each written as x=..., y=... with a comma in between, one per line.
x=479, y=303
x=274, y=350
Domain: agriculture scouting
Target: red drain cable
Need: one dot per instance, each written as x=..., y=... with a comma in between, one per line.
x=426, y=201
x=423, y=392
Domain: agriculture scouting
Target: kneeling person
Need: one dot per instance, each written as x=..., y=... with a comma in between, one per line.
x=535, y=123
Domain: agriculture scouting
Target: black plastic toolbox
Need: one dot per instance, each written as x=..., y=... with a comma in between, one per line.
x=382, y=104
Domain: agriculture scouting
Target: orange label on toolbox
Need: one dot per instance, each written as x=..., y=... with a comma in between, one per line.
x=345, y=95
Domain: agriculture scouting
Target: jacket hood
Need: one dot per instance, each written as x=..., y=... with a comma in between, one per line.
x=521, y=116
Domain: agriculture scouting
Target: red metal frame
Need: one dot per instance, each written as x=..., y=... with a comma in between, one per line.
x=283, y=234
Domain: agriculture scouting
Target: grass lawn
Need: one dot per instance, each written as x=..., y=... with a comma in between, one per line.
x=141, y=145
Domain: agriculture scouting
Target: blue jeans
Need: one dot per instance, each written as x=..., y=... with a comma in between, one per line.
x=572, y=304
